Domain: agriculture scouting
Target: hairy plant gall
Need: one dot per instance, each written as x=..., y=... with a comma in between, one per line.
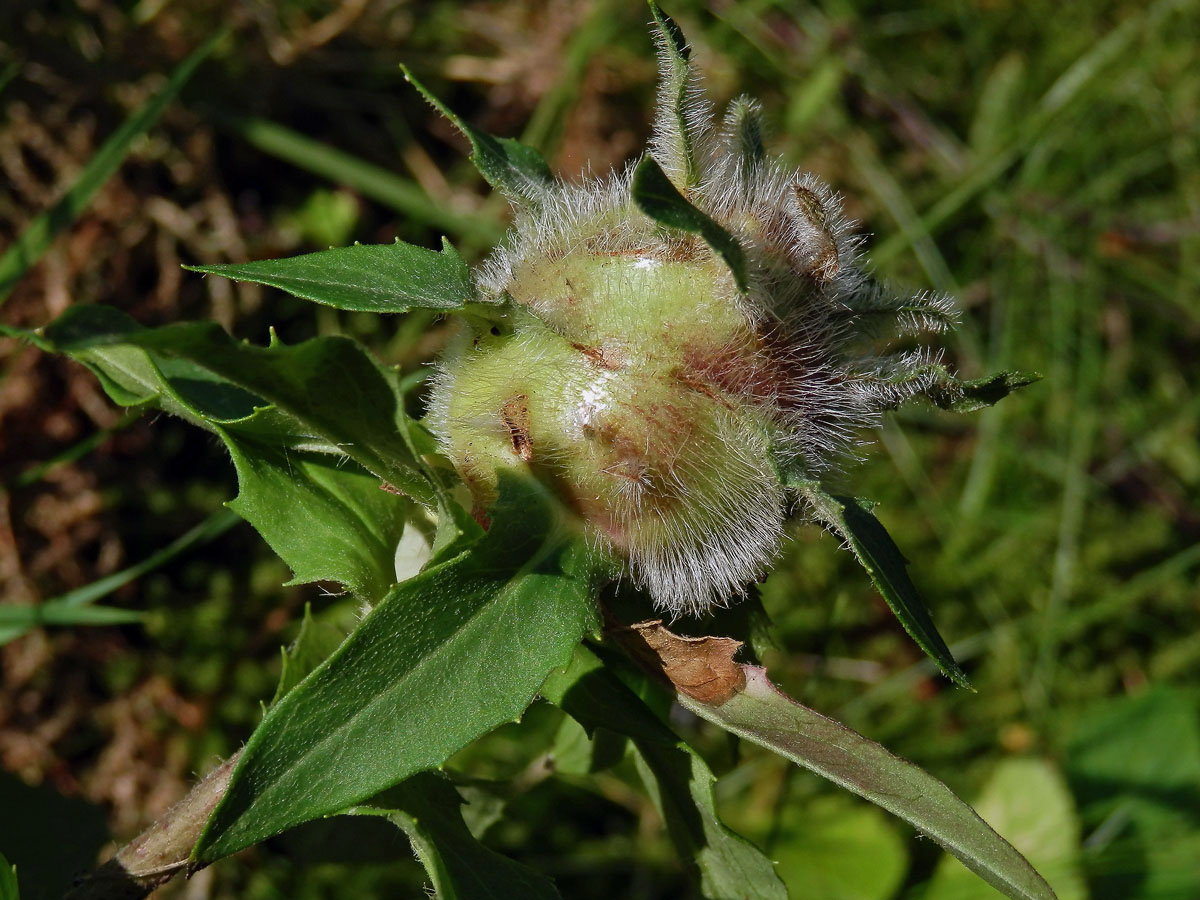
x=663, y=386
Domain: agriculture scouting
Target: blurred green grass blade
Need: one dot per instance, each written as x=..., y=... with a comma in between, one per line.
x=400, y=194
x=544, y=128
x=1067, y=89
x=214, y=526
x=657, y=196
x=79, y=450
x=37, y=237
x=427, y=808
x=885, y=564
x=762, y=714
x=74, y=607
x=380, y=278
x=30, y=617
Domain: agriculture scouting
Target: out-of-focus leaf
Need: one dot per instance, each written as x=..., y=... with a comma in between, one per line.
x=429, y=810
x=380, y=184
x=74, y=607
x=8, y=880
x=444, y=658
x=1027, y=800
x=380, y=278
x=874, y=548
x=823, y=842
x=727, y=866
x=515, y=169
x=576, y=752
x=39, y=234
x=762, y=714
x=1134, y=768
x=325, y=394
x=658, y=198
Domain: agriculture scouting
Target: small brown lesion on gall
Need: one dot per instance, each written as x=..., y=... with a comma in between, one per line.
x=515, y=416
x=391, y=489
x=598, y=356
x=702, y=668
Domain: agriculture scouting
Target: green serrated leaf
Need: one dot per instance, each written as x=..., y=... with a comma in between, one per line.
x=325, y=394
x=325, y=517
x=726, y=865
x=762, y=714
x=39, y=234
x=515, y=169
x=874, y=548
x=428, y=808
x=681, y=117
x=379, y=278
x=445, y=657
x=313, y=645
x=658, y=198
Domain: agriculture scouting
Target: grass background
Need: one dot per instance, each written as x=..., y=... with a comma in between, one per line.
x=1039, y=161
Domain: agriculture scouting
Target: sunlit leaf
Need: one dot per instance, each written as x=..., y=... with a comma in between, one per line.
x=762, y=714
x=380, y=278
x=326, y=395
x=445, y=657
x=516, y=170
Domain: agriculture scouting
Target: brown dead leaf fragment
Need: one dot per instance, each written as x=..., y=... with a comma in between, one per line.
x=703, y=668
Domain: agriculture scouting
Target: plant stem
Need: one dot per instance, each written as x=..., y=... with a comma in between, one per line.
x=160, y=852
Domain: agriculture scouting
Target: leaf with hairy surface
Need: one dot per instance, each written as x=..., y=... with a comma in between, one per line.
x=445, y=657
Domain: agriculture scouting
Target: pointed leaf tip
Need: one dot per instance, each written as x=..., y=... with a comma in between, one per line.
x=683, y=118
x=873, y=547
x=766, y=716
x=517, y=170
